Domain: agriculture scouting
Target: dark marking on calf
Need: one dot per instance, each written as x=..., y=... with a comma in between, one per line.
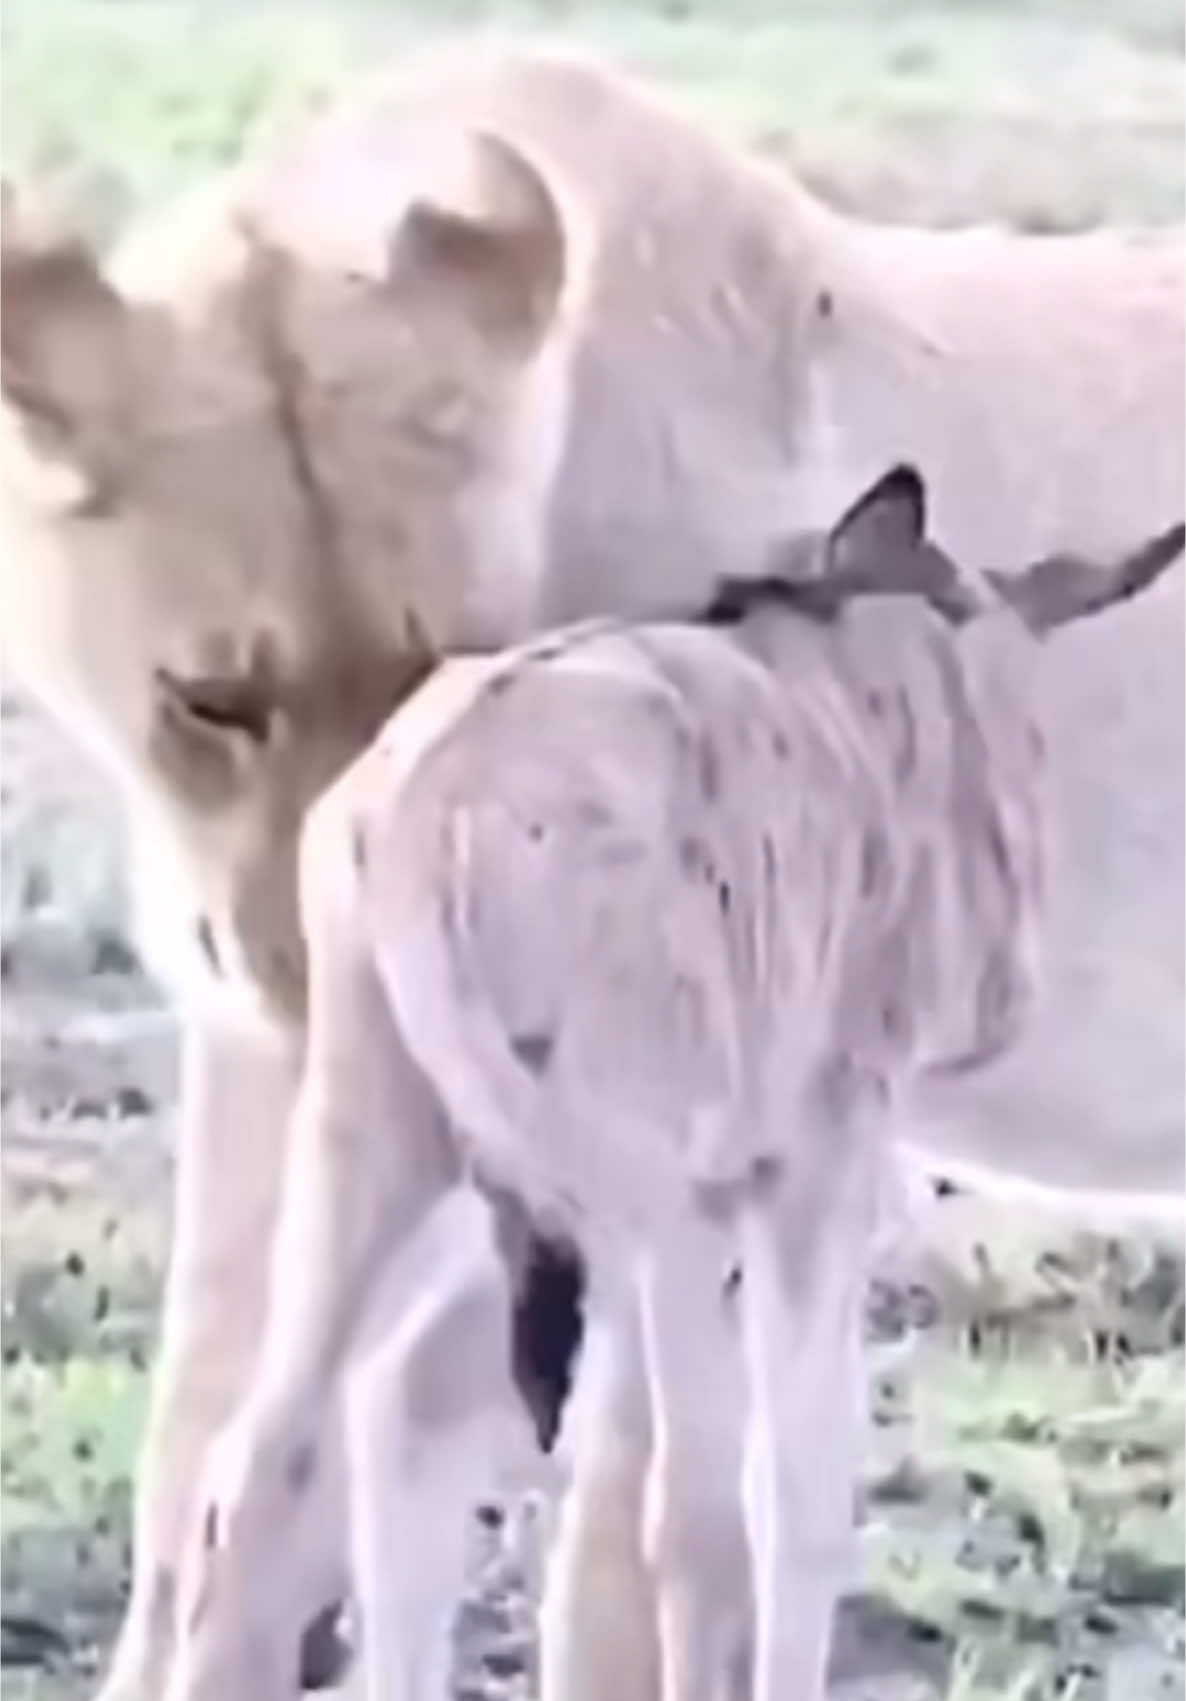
x=845, y=1085
x=998, y=849
x=689, y=999
x=550, y=648
x=201, y=1599
x=592, y=814
x=907, y=755
x=766, y=1172
x=198, y=1607
x=204, y=934
x=719, y=1198
x=735, y=598
x=621, y=853
x=895, y=1024
x=534, y=1050
x=825, y=304
x=358, y=847
x=826, y=935
x=1001, y=999
x=547, y=1279
x=769, y=862
x=546, y=1332
x=694, y=857
x=724, y=896
x=300, y=1467
x=709, y=764
x=874, y=864
x=781, y=748
x=500, y=684
x=326, y=1650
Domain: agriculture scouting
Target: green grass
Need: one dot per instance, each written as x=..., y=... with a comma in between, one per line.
x=1026, y=1491
x=1026, y=1483
x=1047, y=114
x=83, y=1252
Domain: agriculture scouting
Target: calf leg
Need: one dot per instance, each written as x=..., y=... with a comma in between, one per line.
x=433, y=1417
x=693, y=1534
x=804, y=1270
x=598, y=1638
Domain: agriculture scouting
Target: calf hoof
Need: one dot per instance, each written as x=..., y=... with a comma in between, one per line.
x=326, y=1650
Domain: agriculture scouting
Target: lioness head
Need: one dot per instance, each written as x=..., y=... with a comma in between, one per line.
x=242, y=512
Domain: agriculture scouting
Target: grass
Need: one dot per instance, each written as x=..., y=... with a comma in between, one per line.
x=85, y=1234
x=1045, y=113
x=1024, y=1505
x=1025, y=1493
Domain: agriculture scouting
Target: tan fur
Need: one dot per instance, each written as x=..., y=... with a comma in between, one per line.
x=505, y=340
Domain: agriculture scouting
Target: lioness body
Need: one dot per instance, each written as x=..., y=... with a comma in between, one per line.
x=316, y=440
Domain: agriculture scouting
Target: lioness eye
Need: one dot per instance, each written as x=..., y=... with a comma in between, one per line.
x=228, y=704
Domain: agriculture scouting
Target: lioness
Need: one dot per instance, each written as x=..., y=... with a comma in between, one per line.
x=408, y=386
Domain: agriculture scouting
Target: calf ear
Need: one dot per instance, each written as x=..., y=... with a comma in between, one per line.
x=1065, y=587
x=498, y=251
x=65, y=369
x=883, y=528
x=880, y=548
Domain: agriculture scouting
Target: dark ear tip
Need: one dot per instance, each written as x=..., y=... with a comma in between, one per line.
x=1174, y=541
x=1151, y=562
x=901, y=488
x=904, y=476
x=905, y=483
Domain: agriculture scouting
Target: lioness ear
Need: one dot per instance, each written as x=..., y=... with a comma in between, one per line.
x=64, y=354
x=498, y=251
x=1064, y=587
x=883, y=526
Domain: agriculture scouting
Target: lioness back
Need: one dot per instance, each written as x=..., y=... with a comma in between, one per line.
x=737, y=358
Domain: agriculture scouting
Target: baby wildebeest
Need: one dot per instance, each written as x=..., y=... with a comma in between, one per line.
x=648, y=930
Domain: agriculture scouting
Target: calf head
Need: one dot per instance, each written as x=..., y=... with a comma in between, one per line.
x=879, y=547
x=948, y=968
x=969, y=929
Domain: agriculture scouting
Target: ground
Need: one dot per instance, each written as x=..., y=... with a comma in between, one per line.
x=1022, y=1511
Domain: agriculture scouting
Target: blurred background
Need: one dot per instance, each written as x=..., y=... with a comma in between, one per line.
x=1023, y=1530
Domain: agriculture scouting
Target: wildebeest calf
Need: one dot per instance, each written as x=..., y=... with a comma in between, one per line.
x=649, y=930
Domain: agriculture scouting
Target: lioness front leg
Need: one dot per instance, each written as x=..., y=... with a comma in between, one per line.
x=237, y=1089
x=367, y=1160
